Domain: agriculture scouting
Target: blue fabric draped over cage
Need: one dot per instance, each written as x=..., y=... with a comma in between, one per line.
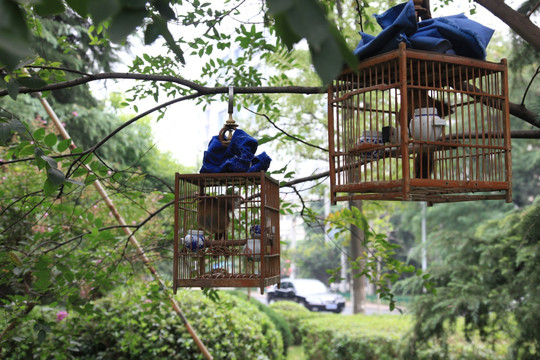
x=238, y=157
x=454, y=34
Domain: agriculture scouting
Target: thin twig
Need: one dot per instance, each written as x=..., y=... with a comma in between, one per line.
x=528, y=86
x=286, y=133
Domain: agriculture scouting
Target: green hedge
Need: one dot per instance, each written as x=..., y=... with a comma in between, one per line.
x=326, y=336
x=279, y=321
x=135, y=324
x=358, y=337
x=294, y=314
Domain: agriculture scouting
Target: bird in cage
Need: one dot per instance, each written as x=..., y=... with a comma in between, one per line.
x=214, y=214
x=426, y=123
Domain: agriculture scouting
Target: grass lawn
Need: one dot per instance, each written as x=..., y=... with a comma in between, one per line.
x=296, y=353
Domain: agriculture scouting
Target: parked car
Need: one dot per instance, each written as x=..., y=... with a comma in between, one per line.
x=311, y=293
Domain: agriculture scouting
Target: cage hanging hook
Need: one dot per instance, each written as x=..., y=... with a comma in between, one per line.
x=230, y=125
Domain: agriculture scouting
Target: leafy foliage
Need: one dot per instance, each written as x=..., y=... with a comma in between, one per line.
x=314, y=256
x=358, y=337
x=15, y=34
x=279, y=321
x=379, y=249
x=117, y=18
x=134, y=322
x=489, y=279
x=299, y=19
x=330, y=336
x=294, y=314
x=64, y=252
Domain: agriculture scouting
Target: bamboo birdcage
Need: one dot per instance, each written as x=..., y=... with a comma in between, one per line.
x=420, y=126
x=226, y=230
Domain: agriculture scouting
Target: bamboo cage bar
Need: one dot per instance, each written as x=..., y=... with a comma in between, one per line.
x=420, y=126
x=226, y=231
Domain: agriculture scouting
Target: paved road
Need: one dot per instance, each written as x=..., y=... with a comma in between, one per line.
x=370, y=308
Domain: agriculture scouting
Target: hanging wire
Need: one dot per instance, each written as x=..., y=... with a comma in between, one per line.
x=230, y=125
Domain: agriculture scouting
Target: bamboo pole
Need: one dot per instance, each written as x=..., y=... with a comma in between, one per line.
x=101, y=190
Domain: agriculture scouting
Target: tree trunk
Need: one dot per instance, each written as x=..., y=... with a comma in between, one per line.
x=358, y=292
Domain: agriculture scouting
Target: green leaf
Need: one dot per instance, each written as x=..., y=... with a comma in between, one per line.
x=49, y=7
x=76, y=182
x=166, y=198
x=169, y=39
x=66, y=272
x=13, y=89
x=39, y=134
x=80, y=172
x=164, y=9
x=27, y=151
x=43, y=262
x=285, y=32
x=344, y=49
x=308, y=20
x=94, y=165
x=63, y=145
x=90, y=178
x=101, y=10
x=51, y=140
x=40, y=163
x=50, y=161
x=267, y=138
x=278, y=6
x=124, y=23
x=151, y=33
x=56, y=176
x=14, y=35
x=31, y=82
x=87, y=159
x=103, y=170
x=15, y=259
x=297, y=19
x=43, y=279
x=8, y=128
x=134, y=4
x=80, y=6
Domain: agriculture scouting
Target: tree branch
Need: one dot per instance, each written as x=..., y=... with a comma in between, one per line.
x=517, y=110
x=518, y=22
x=200, y=89
x=520, y=111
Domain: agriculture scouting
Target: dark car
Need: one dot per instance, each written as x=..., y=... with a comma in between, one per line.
x=311, y=293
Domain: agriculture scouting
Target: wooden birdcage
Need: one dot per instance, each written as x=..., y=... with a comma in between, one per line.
x=226, y=230
x=420, y=126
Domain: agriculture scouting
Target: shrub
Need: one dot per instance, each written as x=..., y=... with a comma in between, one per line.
x=375, y=337
x=133, y=323
x=358, y=337
x=279, y=321
x=293, y=313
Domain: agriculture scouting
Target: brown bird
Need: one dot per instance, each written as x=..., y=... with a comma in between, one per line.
x=214, y=214
x=424, y=161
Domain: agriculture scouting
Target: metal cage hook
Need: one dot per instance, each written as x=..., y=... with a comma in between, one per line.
x=230, y=125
